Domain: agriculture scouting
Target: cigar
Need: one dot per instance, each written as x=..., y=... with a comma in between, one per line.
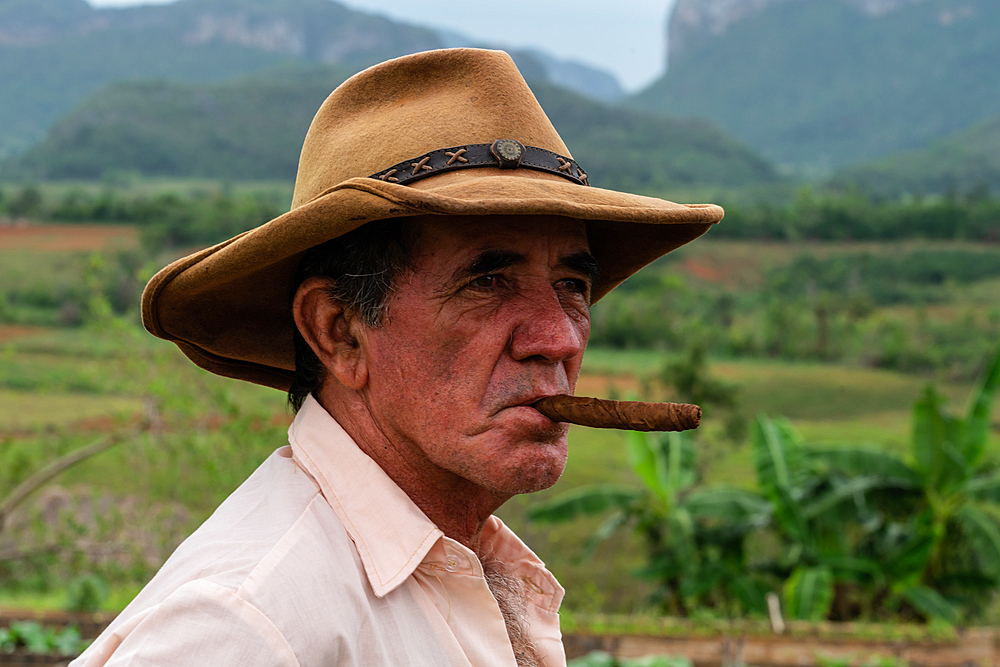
x=629, y=415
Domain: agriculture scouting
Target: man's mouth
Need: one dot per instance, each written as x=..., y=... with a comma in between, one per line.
x=529, y=400
x=530, y=403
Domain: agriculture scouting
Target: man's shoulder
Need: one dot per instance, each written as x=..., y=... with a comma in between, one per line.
x=267, y=558
x=276, y=516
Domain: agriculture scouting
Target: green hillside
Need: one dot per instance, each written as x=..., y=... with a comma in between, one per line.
x=241, y=129
x=963, y=163
x=55, y=53
x=252, y=128
x=629, y=150
x=819, y=85
x=43, y=83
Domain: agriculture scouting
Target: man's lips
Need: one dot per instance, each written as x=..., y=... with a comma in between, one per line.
x=529, y=400
x=529, y=403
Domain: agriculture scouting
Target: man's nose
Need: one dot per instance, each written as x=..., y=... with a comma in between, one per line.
x=547, y=331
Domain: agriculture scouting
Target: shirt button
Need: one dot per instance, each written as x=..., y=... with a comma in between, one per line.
x=451, y=563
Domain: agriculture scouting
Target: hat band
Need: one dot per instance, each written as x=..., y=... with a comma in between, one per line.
x=502, y=153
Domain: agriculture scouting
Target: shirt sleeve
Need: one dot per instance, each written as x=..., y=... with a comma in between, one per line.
x=201, y=623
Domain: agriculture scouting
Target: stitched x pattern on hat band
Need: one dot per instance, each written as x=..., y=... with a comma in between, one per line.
x=503, y=153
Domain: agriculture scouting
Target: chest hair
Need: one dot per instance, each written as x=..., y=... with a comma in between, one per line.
x=509, y=593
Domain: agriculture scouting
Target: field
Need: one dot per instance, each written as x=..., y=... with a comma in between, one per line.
x=189, y=438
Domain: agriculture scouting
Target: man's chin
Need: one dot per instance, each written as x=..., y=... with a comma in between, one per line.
x=536, y=469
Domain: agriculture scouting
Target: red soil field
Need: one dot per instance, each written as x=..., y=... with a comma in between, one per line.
x=66, y=237
x=9, y=331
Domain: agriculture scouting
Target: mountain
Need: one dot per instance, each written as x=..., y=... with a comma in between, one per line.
x=252, y=128
x=641, y=152
x=819, y=84
x=964, y=163
x=55, y=53
x=584, y=79
x=694, y=20
x=247, y=128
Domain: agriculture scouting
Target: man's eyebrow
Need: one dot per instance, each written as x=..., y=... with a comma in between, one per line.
x=488, y=261
x=582, y=262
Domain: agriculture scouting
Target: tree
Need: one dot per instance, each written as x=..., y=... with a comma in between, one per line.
x=938, y=540
x=694, y=536
x=818, y=516
x=859, y=532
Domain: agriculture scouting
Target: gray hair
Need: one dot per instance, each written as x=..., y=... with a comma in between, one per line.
x=361, y=267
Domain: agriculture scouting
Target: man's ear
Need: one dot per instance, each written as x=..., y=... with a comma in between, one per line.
x=334, y=334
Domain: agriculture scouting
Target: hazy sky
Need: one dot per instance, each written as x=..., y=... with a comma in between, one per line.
x=627, y=37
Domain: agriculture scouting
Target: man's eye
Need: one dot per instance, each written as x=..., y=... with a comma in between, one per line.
x=576, y=285
x=485, y=282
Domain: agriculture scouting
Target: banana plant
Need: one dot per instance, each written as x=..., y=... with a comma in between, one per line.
x=693, y=535
x=816, y=518
x=940, y=542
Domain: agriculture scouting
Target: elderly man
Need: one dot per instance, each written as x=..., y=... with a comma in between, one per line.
x=431, y=282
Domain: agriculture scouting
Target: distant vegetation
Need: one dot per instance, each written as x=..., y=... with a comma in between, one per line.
x=814, y=88
x=965, y=162
x=845, y=533
x=819, y=85
x=831, y=303
x=58, y=52
x=860, y=304
x=61, y=387
x=242, y=129
x=253, y=128
x=643, y=152
x=831, y=216
x=920, y=310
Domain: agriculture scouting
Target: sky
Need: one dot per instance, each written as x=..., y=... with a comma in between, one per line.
x=627, y=37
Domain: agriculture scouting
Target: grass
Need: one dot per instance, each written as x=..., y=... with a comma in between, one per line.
x=810, y=391
x=137, y=185
x=59, y=387
x=117, y=599
x=826, y=402
x=20, y=411
x=831, y=395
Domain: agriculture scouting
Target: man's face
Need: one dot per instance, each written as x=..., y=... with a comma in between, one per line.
x=494, y=315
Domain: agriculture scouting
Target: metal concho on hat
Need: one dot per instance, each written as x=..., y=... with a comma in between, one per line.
x=502, y=153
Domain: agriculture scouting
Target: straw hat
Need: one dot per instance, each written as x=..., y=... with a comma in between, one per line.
x=450, y=132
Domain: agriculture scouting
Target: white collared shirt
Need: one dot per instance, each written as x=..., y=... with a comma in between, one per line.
x=320, y=559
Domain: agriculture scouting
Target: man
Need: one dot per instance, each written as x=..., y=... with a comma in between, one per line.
x=432, y=280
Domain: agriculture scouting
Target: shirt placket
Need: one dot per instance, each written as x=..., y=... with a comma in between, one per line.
x=453, y=579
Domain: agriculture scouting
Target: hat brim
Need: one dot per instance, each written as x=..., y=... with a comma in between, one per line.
x=228, y=307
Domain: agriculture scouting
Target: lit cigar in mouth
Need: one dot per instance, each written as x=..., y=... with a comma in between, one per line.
x=629, y=415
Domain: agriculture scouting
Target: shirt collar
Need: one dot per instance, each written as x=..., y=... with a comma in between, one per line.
x=391, y=533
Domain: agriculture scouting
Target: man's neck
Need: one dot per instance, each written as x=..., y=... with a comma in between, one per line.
x=455, y=505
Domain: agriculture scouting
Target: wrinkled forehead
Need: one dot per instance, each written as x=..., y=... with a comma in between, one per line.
x=552, y=235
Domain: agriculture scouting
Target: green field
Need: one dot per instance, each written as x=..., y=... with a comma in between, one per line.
x=62, y=387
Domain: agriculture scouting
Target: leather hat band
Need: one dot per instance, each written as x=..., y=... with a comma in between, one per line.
x=503, y=153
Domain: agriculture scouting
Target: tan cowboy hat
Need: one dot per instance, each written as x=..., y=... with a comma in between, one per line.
x=451, y=132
